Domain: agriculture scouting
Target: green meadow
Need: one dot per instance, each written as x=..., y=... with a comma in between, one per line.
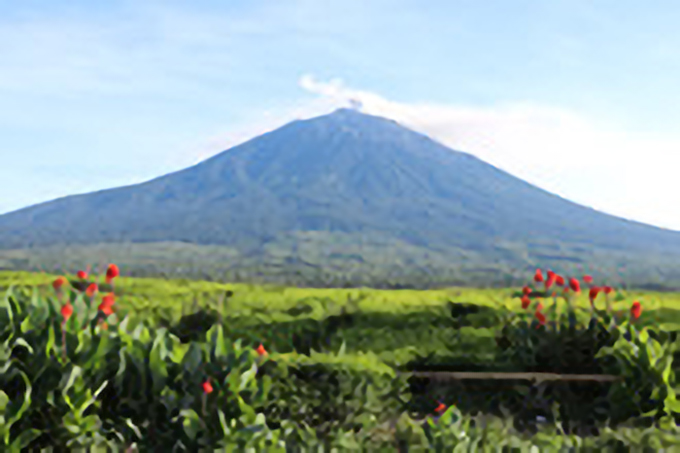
x=396, y=325
x=341, y=359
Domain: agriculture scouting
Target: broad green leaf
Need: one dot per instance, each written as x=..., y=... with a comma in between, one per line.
x=26, y=325
x=122, y=326
x=341, y=352
x=22, y=342
x=226, y=431
x=643, y=336
x=216, y=336
x=51, y=340
x=13, y=418
x=4, y=399
x=67, y=382
x=672, y=405
x=133, y=427
x=193, y=357
x=24, y=439
x=190, y=422
x=98, y=346
x=247, y=413
x=159, y=372
x=247, y=377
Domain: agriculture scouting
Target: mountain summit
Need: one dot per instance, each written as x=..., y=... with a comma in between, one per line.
x=346, y=176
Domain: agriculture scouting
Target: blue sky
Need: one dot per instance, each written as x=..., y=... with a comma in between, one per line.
x=578, y=97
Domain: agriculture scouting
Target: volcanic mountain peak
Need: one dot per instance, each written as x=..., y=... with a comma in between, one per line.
x=349, y=114
x=351, y=117
x=341, y=173
x=350, y=123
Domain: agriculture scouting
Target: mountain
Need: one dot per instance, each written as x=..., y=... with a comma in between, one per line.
x=349, y=186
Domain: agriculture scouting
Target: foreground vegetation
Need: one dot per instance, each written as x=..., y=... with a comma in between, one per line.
x=104, y=361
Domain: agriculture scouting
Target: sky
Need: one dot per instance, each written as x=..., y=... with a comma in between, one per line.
x=577, y=97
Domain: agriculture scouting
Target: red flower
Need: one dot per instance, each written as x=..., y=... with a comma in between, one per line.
x=565, y=290
x=441, y=408
x=112, y=272
x=261, y=350
x=593, y=293
x=588, y=279
x=109, y=299
x=526, y=290
x=636, y=310
x=549, y=282
x=106, y=309
x=539, y=306
x=526, y=302
x=551, y=279
x=91, y=290
x=608, y=289
x=58, y=283
x=540, y=317
x=66, y=311
x=82, y=275
x=538, y=276
x=574, y=285
x=559, y=280
x=106, y=306
x=207, y=387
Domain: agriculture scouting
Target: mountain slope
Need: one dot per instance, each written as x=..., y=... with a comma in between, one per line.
x=342, y=173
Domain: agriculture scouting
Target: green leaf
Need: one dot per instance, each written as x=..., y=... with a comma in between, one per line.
x=67, y=382
x=9, y=421
x=219, y=345
x=26, y=325
x=122, y=326
x=4, y=400
x=247, y=378
x=247, y=413
x=24, y=439
x=651, y=413
x=643, y=336
x=22, y=342
x=190, y=422
x=193, y=357
x=226, y=431
x=449, y=417
x=51, y=340
x=654, y=351
x=157, y=355
x=133, y=427
x=98, y=348
x=100, y=389
x=672, y=405
x=178, y=352
x=620, y=297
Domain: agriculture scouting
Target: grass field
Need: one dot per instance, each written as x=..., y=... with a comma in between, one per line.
x=178, y=293
x=371, y=334
x=391, y=323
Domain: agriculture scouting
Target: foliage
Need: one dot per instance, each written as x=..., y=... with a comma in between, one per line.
x=649, y=382
x=565, y=344
x=140, y=379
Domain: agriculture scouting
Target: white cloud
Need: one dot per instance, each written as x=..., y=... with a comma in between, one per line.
x=625, y=173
